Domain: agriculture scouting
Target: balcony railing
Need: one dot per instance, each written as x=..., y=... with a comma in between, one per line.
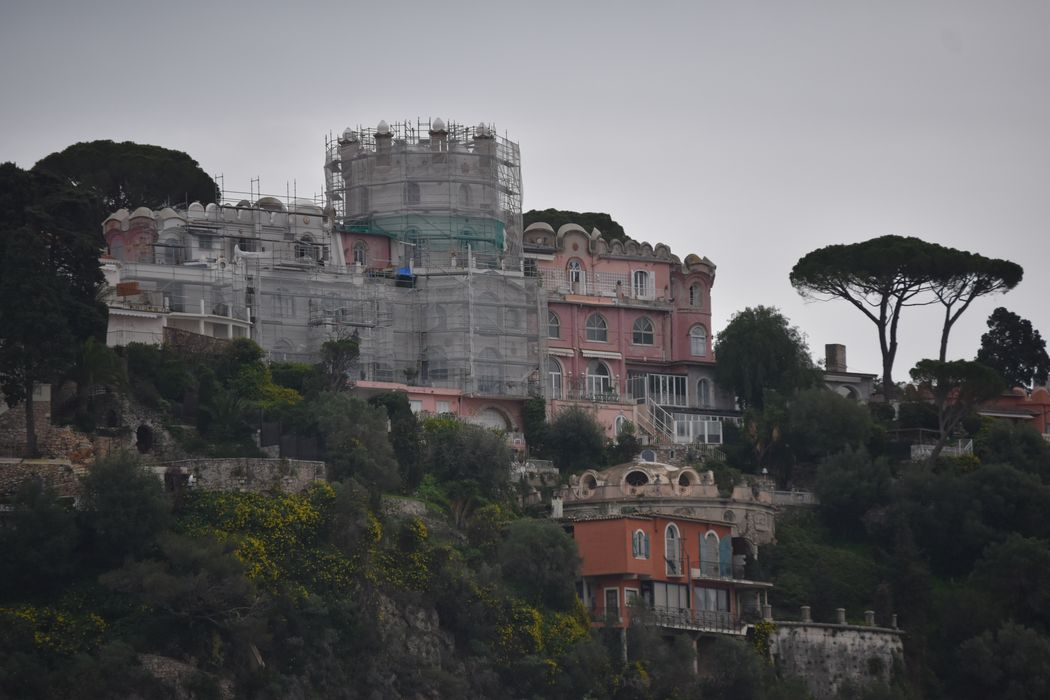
x=673, y=618
x=595, y=284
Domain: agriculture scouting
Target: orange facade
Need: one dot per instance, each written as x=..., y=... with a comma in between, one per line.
x=682, y=570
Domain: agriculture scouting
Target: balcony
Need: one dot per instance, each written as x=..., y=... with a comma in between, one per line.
x=671, y=618
x=596, y=284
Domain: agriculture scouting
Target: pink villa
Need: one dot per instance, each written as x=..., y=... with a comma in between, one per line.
x=418, y=250
x=629, y=333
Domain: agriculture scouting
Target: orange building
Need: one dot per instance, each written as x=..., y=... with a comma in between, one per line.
x=679, y=570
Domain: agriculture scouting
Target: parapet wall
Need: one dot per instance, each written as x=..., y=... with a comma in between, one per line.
x=829, y=656
x=243, y=474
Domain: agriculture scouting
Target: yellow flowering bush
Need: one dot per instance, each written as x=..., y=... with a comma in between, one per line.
x=55, y=630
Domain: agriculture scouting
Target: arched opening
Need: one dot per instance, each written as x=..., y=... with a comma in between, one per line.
x=686, y=478
x=698, y=341
x=642, y=332
x=144, y=439
x=599, y=380
x=589, y=482
x=554, y=374
x=673, y=550
x=640, y=544
x=553, y=325
x=490, y=418
x=636, y=478
x=597, y=329
x=709, y=555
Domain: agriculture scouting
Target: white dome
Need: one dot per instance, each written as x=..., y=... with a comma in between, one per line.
x=438, y=125
x=383, y=127
x=118, y=215
x=145, y=212
x=196, y=210
x=348, y=133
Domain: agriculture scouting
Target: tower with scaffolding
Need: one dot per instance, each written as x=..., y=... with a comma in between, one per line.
x=439, y=190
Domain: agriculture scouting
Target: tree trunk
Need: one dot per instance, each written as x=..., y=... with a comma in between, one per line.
x=31, y=448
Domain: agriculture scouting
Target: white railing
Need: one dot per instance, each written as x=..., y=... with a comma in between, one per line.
x=600, y=284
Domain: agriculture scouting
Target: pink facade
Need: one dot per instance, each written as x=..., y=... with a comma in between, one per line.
x=629, y=325
x=367, y=250
x=131, y=238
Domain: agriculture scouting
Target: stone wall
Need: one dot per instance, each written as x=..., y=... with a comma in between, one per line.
x=55, y=441
x=246, y=474
x=829, y=656
x=59, y=474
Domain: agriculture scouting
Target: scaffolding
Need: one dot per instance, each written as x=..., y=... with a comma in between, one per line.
x=451, y=308
x=438, y=187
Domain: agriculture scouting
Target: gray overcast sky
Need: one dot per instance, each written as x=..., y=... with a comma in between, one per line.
x=749, y=132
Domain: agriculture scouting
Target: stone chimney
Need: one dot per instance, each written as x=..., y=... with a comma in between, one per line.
x=835, y=357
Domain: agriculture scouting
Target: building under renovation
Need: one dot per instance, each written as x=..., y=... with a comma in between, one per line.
x=416, y=251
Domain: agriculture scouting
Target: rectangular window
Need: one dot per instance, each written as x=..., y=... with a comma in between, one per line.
x=612, y=604
x=443, y=407
x=205, y=242
x=670, y=595
x=416, y=406
x=555, y=377
x=668, y=389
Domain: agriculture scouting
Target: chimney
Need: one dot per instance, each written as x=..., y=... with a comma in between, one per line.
x=835, y=357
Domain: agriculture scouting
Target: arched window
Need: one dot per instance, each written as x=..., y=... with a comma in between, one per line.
x=642, y=288
x=673, y=550
x=698, y=341
x=554, y=375
x=640, y=544
x=620, y=422
x=412, y=193
x=597, y=329
x=464, y=196
x=360, y=253
x=574, y=272
x=709, y=555
x=703, y=393
x=642, y=333
x=553, y=325
x=599, y=379
x=116, y=248
x=695, y=296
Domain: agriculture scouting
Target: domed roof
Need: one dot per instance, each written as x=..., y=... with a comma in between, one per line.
x=142, y=212
x=437, y=125
x=383, y=127
x=211, y=207
x=692, y=259
x=118, y=215
x=271, y=203
x=539, y=226
x=196, y=210
x=568, y=228
x=169, y=213
x=349, y=134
